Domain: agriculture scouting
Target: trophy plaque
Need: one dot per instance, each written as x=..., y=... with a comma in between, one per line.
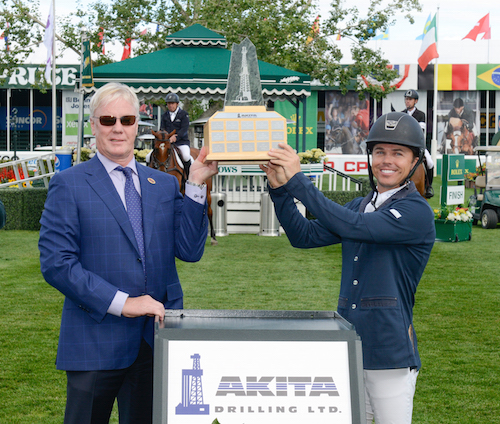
x=244, y=131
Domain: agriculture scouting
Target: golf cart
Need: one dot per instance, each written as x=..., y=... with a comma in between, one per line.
x=484, y=204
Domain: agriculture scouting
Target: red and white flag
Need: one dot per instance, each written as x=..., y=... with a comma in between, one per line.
x=482, y=27
x=101, y=40
x=48, y=42
x=127, y=49
x=428, y=50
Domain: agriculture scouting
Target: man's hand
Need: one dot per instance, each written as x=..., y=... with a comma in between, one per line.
x=284, y=165
x=143, y=305
x=200, y=170
x=173, y=138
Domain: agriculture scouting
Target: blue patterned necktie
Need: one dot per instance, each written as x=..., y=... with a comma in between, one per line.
x=134, y=210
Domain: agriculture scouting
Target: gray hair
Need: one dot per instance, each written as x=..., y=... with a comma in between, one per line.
x=113, y=91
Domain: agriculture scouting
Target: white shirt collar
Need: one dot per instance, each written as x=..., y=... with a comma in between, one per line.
x=110, y=166
x=379, y=198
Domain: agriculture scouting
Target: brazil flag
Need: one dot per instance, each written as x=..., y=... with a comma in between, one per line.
x=488, y=77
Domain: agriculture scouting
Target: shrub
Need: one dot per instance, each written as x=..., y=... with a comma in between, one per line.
x=23, y=207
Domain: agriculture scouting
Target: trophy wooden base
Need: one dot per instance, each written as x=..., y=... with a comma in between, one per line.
x=244, y=134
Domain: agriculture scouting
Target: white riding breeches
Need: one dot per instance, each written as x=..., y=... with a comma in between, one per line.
x=389, y=395
x=185, y=152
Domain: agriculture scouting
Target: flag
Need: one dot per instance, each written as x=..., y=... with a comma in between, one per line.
x=338, y=36
x=314, y=30
x=428, y=50
x=482, y=27
x=48, y=43
x=488, y=77
x=426, y=28
x=87, y=73
x=144, y=31
x=456, y=77
x=5, y=38
x=403, y=71
x=384, y=36
x=127, y=49
x=101, y=40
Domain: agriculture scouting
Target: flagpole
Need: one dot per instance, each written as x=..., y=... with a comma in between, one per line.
x=434, y=109
x=54, y=97
x=81, y=103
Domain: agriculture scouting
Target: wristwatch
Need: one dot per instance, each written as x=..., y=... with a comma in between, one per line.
x=196, y=185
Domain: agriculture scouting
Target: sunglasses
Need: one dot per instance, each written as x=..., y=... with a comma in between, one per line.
x=109, y=121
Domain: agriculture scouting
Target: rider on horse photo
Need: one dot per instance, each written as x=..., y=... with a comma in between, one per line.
x=177, y=119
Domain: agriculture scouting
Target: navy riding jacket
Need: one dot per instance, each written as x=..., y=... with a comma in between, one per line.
x=384, y=254
x=180, y=124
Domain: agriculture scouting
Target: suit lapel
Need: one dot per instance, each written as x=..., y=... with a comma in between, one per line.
x=99, y=181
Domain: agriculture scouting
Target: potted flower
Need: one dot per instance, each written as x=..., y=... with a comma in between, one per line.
x=469, y=179
x=453, y=224
x=312, y=156
x=312, y=162
x=140, y=155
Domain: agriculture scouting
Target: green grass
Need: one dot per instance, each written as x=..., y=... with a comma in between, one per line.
x=456, y=317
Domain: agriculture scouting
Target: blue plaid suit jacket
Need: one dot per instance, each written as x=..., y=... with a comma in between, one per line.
x=88, y=251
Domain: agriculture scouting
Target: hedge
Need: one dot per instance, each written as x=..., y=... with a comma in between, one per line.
x=23, y=207
x=343, y=197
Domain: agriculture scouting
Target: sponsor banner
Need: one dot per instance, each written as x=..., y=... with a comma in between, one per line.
x=20, y=118
x=456, y=165
x=288, y=110
x=71, y=106
x=348, y=164
x=25, y=76
x=258, y=382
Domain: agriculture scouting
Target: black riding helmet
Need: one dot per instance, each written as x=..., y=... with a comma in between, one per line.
x=172, y=98
x=412, y=94
x=396, y=128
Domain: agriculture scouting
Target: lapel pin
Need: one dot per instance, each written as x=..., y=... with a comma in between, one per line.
x=151, y=181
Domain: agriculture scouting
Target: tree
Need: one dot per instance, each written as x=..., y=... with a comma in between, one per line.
x=284, y=32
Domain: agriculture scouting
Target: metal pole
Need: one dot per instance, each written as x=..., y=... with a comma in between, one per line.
x=487, y=119
x=9, y=93
x=31, y=120
x=304, y=127
x=81, y=105
x=434, y=109
x=54, y=97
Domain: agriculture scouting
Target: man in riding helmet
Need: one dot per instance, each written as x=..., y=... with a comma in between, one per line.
x=411, y=100
x=386, y=240
x=177, y=119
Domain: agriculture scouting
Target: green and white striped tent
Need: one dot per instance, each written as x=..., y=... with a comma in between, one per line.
x=195, y=65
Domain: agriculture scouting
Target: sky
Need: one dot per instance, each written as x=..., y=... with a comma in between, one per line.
x=455, y=19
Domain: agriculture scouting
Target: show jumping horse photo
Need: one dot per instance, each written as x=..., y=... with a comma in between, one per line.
x=418, y=178
x=166, y=158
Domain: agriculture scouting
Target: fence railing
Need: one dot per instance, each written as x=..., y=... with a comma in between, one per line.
x=346, y=183
x=245, y=184
x=24, y=173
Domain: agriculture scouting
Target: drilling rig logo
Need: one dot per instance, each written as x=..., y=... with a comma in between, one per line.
x=192, y=392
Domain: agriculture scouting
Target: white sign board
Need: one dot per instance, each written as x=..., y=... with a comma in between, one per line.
x=455, y=195
x=258, y=382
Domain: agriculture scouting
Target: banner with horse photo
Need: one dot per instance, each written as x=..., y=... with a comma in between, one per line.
x=347, y=123
x=458, y=122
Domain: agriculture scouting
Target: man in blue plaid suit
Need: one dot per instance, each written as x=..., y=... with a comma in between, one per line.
x=114, y=289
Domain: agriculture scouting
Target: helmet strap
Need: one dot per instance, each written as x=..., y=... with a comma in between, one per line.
x=419, y=161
